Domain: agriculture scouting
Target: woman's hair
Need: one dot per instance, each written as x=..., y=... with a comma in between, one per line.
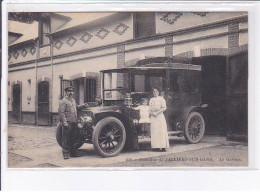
x=156, y=88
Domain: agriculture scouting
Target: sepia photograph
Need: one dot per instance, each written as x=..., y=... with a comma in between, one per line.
x=127, y=89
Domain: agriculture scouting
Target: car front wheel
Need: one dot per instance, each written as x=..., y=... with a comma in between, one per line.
x=109, y=137
x=194, y=128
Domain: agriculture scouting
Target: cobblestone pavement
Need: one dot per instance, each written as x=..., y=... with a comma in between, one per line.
x=36, y=147
x=30, y=137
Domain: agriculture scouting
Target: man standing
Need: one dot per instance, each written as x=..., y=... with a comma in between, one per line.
x=68, y=118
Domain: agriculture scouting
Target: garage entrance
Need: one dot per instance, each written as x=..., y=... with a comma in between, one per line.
x=214, y=92
x=43, y=103
x=237, y=96
x=17, y=103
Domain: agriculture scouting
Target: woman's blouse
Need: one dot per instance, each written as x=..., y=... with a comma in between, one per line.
x=157, y=103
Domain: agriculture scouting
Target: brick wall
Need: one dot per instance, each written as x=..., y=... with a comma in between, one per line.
x=120, y=63
x=233, y=37
x=188, y=54
x=99, y=85
x=168, y=46
x=216, y=51
x=120, y=56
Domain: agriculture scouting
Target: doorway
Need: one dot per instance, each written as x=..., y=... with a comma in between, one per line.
x=85, y=90
x=237, y=96
x=43, y=103
x=17, y=103
x=214, y=92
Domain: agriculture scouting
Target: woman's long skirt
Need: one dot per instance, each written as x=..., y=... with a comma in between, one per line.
x=159, y=134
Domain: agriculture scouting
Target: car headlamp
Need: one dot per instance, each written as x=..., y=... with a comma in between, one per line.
x=88, y=119
x=80, y=123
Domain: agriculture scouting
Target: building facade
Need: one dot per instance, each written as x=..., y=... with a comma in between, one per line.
x=71, y=48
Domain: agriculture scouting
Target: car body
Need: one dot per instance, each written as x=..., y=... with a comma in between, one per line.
x=113, y=123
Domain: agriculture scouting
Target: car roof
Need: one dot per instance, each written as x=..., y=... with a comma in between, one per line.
x=157, y=66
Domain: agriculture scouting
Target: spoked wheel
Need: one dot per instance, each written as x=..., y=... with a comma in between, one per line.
x=194, y=127
x=109, y=137
x=75, y=144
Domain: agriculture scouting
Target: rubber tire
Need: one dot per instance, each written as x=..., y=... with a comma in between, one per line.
x=188, y=139
x=97, y=130
x=59, y=137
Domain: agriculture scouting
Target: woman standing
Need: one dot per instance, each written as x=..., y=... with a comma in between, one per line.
x=159, y=134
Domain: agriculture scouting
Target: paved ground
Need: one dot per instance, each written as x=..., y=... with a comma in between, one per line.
x=36, y=147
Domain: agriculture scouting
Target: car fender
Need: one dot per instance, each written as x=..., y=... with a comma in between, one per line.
x=190, y=109
x=119, y=115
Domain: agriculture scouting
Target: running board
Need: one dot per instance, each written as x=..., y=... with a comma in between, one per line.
x=174, y=133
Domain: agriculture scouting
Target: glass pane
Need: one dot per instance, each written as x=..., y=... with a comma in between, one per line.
x=114, y=95
x=116, y=80
x=189, y=81
x=174, y=82
x=156, y=82
x=107, y=80
x=139, y=83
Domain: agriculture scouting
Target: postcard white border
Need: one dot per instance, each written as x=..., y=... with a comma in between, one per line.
x=138, y=178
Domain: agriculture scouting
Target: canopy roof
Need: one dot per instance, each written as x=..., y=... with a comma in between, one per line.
x=156, y=67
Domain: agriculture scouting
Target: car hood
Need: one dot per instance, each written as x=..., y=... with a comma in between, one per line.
x=100, y=109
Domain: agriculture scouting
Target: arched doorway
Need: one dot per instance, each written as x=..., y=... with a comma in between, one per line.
x=17, y=103
x=43, y=103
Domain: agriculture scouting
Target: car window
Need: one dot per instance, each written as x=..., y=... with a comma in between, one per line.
x=156, y=82
x=139, y=83
x=115, y=80
x=189, y=84
x=175, y=81
x=116, y=84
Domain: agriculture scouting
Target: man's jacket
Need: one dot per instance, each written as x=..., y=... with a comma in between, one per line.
x=68, y=110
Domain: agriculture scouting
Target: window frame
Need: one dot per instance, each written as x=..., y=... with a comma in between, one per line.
x=135, y=26
x=196, y=82
x=41, y=34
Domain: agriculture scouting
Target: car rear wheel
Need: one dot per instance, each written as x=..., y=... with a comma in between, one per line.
x=109, y=137
x=76, y=144
x=194, y=128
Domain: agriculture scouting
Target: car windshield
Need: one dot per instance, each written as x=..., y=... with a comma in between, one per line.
x=116, y=84
x=144, y=83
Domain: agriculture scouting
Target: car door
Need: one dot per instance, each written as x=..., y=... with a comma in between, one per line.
x=191, y=95
x=173, y=98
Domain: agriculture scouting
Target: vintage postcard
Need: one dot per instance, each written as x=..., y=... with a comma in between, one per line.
x=113, y=95
x=127, y=89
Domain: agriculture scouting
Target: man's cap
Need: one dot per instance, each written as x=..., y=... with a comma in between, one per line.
x=70, y=88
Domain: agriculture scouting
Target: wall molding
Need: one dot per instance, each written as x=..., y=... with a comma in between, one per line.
x=157, y=36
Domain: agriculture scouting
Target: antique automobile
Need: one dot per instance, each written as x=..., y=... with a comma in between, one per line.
x=113, y=123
